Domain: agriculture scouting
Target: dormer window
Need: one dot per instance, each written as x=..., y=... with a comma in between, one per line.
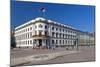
x=40, y=26
x=45, y=26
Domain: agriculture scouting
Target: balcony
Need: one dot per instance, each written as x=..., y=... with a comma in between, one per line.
x=40, y=36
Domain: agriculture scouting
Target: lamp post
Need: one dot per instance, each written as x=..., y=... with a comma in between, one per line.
x=77, y=42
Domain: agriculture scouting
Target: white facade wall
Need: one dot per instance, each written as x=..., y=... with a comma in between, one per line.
x=24, y=35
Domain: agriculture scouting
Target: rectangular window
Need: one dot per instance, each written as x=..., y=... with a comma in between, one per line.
x=66, y=41
x=63, y=41
x=52, y=28
x=56, y=34
x=46, y=33
x=30, y=41
x=30, y=28
x=63, y=30
x=63, y=35
x=52, y=34
x=60, y=35
x=30, y=34
x=56, y=29
x=56, y=41
x=26, y=30
x=40, y=32
x=52, y=41
x=26, y=42
x=60, y=29
x=60, y=41
x=35, y=32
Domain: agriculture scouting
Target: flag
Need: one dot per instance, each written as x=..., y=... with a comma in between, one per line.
x=42, y=9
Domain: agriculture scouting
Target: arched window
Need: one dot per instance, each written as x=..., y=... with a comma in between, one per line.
x=45, y=26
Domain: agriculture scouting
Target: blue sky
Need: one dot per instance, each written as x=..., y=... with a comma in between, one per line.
x=81, y=17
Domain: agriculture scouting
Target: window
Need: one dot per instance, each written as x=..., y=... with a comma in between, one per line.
x=35, y=27
x=26, y=30
x=40, y=32
x=56, y=29
x=66, y=41
x=56, y=41
x=40, y=26
x=63, y=41
x=66, y=31
x=45, y=26
x=60, y=30
x=30, y=41
x=52, y=41
x=35, y=32
x=30, y=28
x=53, y=34
x=30, y=34
x=63, y=30
x=63, y=35
x=56, y=34
x=68, y=36
x=26, y=42
x=60, y=35
x=52, y=28
x=46, y=33
x=60, y=41
x=27, y=35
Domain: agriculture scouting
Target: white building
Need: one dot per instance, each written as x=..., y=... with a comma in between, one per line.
x=43, y=32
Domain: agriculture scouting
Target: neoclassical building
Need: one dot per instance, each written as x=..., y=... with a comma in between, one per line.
x=47, y=33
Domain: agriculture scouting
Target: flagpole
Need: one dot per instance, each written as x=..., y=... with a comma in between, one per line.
x=43, y=12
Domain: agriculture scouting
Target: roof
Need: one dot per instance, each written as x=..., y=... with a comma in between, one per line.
x=43, y=19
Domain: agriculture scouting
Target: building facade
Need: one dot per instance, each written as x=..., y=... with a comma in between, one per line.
x=47, y=33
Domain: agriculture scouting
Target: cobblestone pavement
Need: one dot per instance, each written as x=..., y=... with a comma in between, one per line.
x=85, y=54
x=16, y=53
x=88, y=54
